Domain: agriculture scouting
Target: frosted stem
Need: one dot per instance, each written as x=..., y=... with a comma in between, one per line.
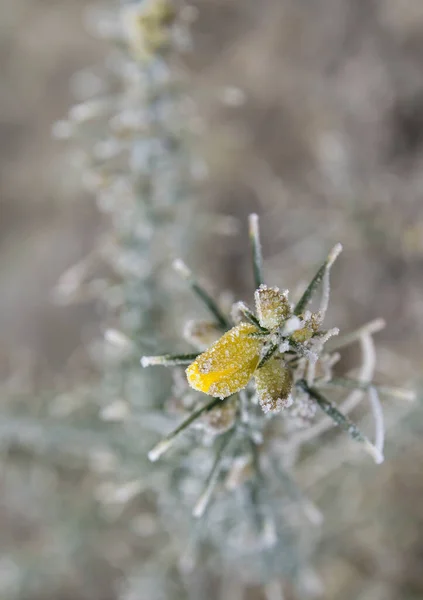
x=308, y=294
x=168, y=360
x=343, y=421
x=352, y=400
x=324, y=302
x=160, y=448
x=378, y=418
x=242, y=308
x=370, y=328
x=210, y=303
x=256, y=249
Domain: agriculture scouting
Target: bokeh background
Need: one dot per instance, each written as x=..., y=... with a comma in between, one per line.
x=313, y=116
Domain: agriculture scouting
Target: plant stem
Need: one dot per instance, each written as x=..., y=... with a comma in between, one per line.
x=204, y=296
x=256, y=250
x=156, y=452
x=344, y=422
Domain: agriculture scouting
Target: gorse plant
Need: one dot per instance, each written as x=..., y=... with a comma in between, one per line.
x=228, y=485
x=284, y=348
x=228, y=435
x=257, y=430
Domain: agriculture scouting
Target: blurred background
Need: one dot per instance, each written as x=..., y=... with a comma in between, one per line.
x=313, y=116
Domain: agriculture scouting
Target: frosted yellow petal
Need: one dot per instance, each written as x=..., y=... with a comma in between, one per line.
x=272, y=306
x=273, y=383
x=228, y=365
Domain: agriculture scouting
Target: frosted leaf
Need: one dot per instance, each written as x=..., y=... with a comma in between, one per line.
x=228, y=365
x=274, y=384
x=272, y=306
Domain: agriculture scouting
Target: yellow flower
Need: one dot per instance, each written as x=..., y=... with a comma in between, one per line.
x=228, y=365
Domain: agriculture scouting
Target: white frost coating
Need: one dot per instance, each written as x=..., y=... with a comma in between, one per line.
x=372, y=327
x=202, y=503
x=181, y=268
x=378, y=418
x=238, y=311
x=352, y=400
x=333, y=255
x=284, y=346
x=253, y=220
x=394, y=392
x=117, y=338
x=312, y=513
x=324, y=302
x=311, y=370
x=374, y=452
x=269, y=536
x=156, y=452
x=148, y=361
x=292, y=325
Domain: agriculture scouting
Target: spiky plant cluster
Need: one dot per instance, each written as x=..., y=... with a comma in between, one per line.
x=225, y=494
x=271, y=375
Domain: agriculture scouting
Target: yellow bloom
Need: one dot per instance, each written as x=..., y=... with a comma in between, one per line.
x=228, y=365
